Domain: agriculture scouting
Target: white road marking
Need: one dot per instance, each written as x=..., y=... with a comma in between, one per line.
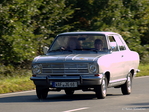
x=16, y=93
x=141, y=77
x=76, y=109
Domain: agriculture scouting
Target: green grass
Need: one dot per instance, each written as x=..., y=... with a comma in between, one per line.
x=144, y=70
x=14, y=84
x=21, y=80
x=18, y=81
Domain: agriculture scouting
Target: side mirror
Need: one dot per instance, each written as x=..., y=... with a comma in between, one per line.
x=113, y=46
x=45, y=49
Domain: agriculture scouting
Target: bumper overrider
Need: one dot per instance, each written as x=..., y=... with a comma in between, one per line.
x=79, y=80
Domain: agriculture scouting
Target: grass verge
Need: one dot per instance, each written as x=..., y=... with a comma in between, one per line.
x=144, y=70
x=16, y=83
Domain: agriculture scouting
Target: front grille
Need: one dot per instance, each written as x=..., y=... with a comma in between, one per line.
x=65, y=68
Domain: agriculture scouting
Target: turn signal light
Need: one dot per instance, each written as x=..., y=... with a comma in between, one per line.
x=97, y=75
x=34, y=75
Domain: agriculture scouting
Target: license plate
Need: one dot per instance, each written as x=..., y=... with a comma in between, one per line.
x=64, y=84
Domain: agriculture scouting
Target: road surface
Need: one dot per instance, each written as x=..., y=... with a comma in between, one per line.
x=27, y=101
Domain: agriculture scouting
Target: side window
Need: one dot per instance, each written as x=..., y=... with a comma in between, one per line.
x=113, y=44
x=120, y=43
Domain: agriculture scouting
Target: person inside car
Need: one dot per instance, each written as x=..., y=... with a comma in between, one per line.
x=98, y=44
x=73, y=43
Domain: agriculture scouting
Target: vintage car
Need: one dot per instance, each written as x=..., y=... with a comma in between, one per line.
x=87, y=61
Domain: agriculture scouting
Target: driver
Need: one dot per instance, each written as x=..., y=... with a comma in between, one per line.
x=73, y=43
x=98, y=44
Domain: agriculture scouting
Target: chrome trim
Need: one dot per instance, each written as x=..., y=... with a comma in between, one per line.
x=68, y=78
x=65, y=68
x=119, y=80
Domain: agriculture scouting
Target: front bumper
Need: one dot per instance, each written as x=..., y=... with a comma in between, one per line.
x=81, y=80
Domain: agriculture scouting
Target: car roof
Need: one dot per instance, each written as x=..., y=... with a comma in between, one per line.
x=88, y=32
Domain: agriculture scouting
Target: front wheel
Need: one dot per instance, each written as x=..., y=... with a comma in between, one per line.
x=69, y=91
x=42, y=93
x=101, y=90
x=127, y=87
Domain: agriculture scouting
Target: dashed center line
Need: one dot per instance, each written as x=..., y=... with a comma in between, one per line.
x=76, y=109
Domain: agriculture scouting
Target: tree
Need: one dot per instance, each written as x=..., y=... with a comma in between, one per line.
x=122, y=16
x=26, y=24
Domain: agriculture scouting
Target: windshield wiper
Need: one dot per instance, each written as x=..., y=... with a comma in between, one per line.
x=95, y=50
x=78, y=49
x=61, y=50
x=71, y=50
x=55, y=50
x=87, y=49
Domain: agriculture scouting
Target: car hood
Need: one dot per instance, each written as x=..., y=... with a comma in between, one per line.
x=67, y=58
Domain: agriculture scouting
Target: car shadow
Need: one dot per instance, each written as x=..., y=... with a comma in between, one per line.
x=52, y=98
x=139, y=106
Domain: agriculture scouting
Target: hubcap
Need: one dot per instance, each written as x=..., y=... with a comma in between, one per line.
x=104, y=87
x=129, y=83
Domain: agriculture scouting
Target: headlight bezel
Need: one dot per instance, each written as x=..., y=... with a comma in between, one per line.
x=93, y=68
x=37, y=69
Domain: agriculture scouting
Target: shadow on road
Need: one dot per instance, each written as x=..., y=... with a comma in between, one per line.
x=52, y=98
x=138, y=106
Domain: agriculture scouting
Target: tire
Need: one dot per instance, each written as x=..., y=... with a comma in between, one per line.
x=101, y=90
x=127, y=87
x=69, y=91
x=41, y=93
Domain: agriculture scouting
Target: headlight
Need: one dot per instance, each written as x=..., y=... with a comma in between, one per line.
x=92, y=68
x=36, y=69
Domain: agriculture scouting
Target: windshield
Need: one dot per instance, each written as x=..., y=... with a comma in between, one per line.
x=80, y=42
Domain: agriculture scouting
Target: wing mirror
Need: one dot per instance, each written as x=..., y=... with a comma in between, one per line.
x=45, y=49
x=113, y=46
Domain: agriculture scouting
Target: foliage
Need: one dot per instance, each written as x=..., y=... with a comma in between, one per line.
x=129, y=18
x=25, y=25
x=28, y=25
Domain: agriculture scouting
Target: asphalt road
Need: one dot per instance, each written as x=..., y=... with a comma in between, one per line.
x=27, y=101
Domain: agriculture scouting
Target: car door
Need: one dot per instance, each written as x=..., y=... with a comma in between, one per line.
x=118, y=55
x=124, y=53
